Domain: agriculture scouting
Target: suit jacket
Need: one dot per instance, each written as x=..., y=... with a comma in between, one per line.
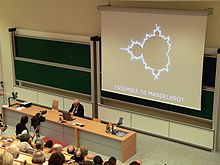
x=80, y=110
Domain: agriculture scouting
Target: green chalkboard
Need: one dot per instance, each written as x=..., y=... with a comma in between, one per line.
x=75, y=54
x=67, y=79
x=209, y=71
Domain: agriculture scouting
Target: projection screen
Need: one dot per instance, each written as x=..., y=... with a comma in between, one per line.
x=153, y=54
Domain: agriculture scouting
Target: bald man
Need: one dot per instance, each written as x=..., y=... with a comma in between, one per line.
x=77, y=109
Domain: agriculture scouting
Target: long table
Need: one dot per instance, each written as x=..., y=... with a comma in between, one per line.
x=92, y=134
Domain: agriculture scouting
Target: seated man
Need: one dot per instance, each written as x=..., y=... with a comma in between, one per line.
x=39, y=145
x=77, y=109
x=71, y=149
x=38, y=157
x=20, y=127
x=57, y=148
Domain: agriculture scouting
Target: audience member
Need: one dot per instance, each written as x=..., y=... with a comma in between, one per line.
x=73, y=163
x=20, y=127
x=112, y=160
x=78, y=157
x=87, y=163
x=134, y=163
x=39, y=145
x=84, y=151
x=14, y=151
x=89, y=157
x=38, y=157
x=24, y=146
x=49, y=144
x=57, y=148
x=25, y=137
x=97, y=160
x=107, y=163
x=56, y=159
x=7, y=159
x=71, y=149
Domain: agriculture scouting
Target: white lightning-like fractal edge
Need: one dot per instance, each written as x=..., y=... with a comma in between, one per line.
x=155, y=72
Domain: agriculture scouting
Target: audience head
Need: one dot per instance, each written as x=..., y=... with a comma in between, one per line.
x=56, y=159
x=89, y=157
x=38, y=157
x=57, y=148
x=112, y=160
x=24, y=146
x=78, y=156
x=73, y=163
x=107, y=163
x=24, y=137
x=14, y=151
x=87, y=162
x=24, y=120
x=39, y=145
x=97, y=160
x=71, y=149
x=134, y=163
x=84, y=150
x=49, y=144
x=7, y=158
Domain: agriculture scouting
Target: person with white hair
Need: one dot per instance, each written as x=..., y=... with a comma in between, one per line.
x=57, y=148
x=77, y=109
x=24, y=146
x=14, y=150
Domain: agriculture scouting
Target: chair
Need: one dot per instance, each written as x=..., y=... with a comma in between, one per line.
x=55, y=105
x=97, y=120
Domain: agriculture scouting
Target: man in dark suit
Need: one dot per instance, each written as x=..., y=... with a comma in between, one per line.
x=77, y=109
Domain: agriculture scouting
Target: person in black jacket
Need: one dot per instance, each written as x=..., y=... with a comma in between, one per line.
x=77, y=109
x=20, y=127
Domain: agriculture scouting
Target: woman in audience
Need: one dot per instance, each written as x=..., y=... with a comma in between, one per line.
x=56, y=159
x=38, y=157
x=97, y=160
x=14, y=151
x=20, y=127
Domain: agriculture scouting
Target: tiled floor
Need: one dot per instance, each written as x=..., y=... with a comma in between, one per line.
x=156, y=151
